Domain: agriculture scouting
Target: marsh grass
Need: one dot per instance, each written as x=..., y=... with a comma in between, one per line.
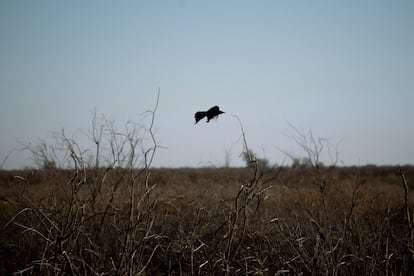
x=206, y=221
x=116, y=215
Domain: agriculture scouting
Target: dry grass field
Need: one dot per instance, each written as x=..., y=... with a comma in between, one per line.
x=209, y=221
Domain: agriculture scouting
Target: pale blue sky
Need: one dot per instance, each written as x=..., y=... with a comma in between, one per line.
x=344, y=69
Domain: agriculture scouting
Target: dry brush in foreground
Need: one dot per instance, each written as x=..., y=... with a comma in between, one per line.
x=330, y=221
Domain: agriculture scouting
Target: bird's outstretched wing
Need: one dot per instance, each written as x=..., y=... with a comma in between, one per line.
x=199, y=115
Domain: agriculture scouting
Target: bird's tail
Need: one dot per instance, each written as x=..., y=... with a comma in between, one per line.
x=200, y=115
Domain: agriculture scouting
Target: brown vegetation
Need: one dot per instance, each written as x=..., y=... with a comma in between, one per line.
x=303, y=220
x=99, y=219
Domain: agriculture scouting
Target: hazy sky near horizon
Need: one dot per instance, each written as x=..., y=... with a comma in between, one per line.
x=343, y=69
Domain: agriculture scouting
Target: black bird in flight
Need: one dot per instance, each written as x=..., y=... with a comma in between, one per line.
x=210, y=114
